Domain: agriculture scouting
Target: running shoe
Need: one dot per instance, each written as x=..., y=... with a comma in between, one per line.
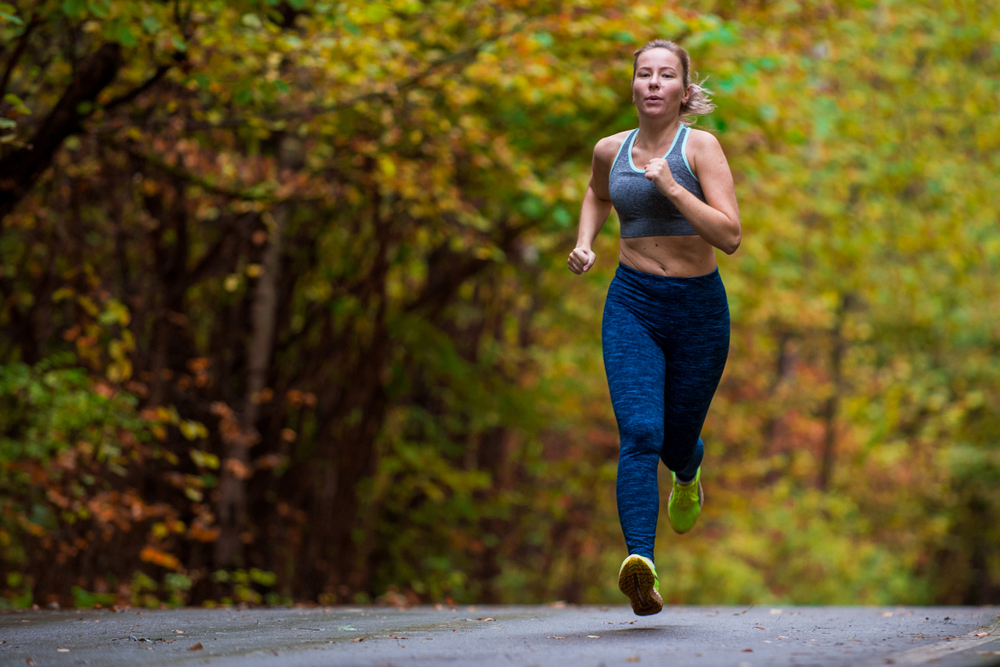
x=685, y=503
x=637, y=579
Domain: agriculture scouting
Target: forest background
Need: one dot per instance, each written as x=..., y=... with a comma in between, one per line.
x=284, y=312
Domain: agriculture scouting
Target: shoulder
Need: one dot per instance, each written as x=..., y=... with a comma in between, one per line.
x=702, y=141
x=706, y=158
x=607, y=148
x=704, y=153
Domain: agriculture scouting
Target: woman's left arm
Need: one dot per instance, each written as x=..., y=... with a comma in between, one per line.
x=717, y=219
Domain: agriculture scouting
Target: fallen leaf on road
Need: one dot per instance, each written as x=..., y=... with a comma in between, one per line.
x=360, y=639
x=747, y=650
x=982, y=634
x=554, y=637
x=759, y=627
x=345, y=627
x=593, y=636
x=775, y=611
x=987, y=652
x=29, y=661
x=781, y=637
x=178, y=632
x=62, y=650
x=886, y=613
x=196, y=647
x=633, y=658
x=489, y=619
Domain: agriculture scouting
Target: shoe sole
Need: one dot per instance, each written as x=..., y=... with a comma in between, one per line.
x=701, y=503
x=637, y=581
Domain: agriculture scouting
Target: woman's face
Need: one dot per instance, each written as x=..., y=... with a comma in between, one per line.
x=658, y=87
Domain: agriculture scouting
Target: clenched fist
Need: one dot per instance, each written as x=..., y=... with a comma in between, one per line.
x=658, y=172
x=580, y=260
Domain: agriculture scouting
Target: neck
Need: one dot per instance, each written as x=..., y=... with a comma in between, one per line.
x=656, y=131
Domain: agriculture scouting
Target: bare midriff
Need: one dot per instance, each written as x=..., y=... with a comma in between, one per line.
x=673, y=256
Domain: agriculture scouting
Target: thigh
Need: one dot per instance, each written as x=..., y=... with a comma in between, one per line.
x=636, y=370
x=696, y=356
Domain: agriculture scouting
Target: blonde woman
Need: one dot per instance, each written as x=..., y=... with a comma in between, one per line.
x=665, y=330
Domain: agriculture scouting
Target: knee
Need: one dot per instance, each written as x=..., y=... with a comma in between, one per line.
x=640, y=436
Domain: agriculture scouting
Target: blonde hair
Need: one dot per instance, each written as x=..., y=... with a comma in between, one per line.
x=699, y=102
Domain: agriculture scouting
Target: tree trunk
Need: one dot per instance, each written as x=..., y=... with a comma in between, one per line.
x=232, y=506
x=832, y=405
x=354, y=460
x=783, y=364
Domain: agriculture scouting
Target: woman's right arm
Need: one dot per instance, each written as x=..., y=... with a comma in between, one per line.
x=596, y=205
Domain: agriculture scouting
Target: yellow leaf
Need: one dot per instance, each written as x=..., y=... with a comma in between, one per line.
x=387, y=166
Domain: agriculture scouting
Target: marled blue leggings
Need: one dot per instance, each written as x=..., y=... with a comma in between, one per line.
x=665, y=344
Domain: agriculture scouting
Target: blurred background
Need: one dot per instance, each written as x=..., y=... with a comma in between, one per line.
x=285, y=317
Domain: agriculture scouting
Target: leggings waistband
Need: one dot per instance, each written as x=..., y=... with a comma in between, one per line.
x=697, y=295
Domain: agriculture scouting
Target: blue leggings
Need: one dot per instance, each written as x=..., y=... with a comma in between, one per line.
x=665, y=344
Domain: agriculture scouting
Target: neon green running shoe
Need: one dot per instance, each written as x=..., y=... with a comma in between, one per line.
x=637, y=579
x=685, y=503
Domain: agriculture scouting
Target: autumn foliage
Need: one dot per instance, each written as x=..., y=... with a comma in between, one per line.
x=284, y=313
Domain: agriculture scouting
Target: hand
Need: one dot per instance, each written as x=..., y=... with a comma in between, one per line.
x=658, y=172
x=580, y=260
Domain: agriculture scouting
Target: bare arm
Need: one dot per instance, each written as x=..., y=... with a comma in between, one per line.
x=717, y=219
x=596, y=205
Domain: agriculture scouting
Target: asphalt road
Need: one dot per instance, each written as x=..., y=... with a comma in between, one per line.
x=520, y=636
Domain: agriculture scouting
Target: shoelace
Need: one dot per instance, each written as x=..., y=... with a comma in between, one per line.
x=686, y=497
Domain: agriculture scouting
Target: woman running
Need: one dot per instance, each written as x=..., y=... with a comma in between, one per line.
x=666, y=320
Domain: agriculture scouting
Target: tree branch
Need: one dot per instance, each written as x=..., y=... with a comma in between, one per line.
x=207, y=185
x=22, y=44
x=20, y=169
x=124, y=98
x=383, y=95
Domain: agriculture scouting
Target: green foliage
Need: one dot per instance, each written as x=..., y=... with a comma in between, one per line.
x=245, y=586
x=85, y=600
x=61, y=435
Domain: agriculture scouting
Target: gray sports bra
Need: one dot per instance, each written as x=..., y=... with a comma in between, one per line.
x=642, y=209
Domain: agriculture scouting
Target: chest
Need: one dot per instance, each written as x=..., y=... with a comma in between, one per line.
x=641, y=156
